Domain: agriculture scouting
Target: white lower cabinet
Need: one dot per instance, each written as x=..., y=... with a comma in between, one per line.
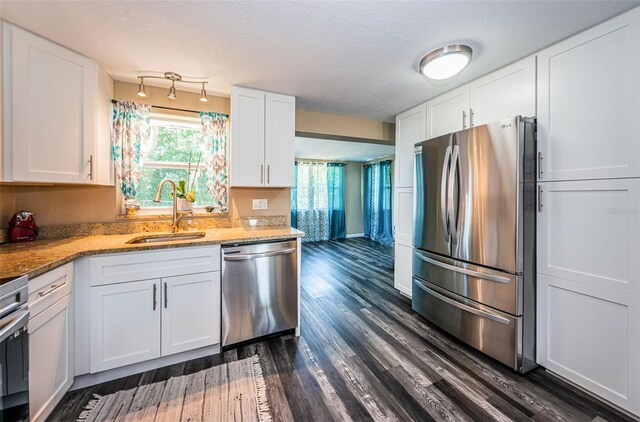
x=51, y=348
x=588, y=284
x=403, y=233
x=125, y=324
x=591, y=336
x=137, y=321
x=190, y=312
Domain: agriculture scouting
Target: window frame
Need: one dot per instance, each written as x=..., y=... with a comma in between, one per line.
x=178, y=121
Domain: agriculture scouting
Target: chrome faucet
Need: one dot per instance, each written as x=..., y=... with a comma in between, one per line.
x=175, y=218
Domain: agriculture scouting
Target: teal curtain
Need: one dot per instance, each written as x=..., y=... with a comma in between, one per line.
x=294, y=198
x=377, y=202
x=214, y=158
x=336, y=200
x=131, y=130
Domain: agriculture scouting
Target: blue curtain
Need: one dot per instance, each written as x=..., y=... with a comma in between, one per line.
x=366, y=198
x=294, y=198
x=336, y=200
x=377, y=202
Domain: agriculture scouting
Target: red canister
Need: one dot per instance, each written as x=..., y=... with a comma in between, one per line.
x=22, y=227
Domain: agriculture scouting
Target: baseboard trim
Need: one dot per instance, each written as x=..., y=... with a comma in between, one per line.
x=86, y=380
x=349, y=236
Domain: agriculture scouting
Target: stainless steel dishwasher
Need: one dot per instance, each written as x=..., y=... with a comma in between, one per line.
x=259, y=290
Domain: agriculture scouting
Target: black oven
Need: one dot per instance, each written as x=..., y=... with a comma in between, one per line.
x=14, y=350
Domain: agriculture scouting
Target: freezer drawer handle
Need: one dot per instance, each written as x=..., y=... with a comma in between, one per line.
x=466, y=271
x=244, y=257
x=467, y=308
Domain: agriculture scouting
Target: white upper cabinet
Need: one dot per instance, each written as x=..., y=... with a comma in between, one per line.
x=410, y=129
x=262, y=138
x=247, y=137
x=589, y=103
x=448, y=112
x=279, y=145
x=51, y=125
x=510, y=91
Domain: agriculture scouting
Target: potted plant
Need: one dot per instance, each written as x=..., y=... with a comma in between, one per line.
x=185, y=189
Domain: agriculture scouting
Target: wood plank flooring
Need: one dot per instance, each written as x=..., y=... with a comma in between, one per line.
x=365, y=355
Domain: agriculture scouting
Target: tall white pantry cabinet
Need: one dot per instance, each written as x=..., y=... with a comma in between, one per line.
x=588, y=259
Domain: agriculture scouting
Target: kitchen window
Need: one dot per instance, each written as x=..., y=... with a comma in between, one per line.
x=173, y=142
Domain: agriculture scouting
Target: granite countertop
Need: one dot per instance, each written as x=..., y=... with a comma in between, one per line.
x=34, y=258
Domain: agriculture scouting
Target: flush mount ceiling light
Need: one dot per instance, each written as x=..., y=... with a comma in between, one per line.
x=173, y=77
x=445, y=62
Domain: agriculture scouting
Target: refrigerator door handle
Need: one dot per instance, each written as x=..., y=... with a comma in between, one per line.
x=453, y=174
x=443, y=193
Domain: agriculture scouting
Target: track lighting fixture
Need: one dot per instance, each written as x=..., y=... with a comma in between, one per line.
x=173, y=77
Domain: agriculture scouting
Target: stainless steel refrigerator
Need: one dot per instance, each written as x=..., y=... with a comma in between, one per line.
x=474, y=237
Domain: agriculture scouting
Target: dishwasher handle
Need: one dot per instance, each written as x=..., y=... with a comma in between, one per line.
x=244, y=257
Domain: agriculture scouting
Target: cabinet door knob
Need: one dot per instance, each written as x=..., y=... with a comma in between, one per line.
x=91, y=167
x=464, y=119
x=268, y=174
x=261, y=174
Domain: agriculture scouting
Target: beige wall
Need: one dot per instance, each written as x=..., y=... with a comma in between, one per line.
x=353, y=198
x=346, y=126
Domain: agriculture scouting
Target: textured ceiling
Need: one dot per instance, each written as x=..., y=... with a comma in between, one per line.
x=355, y=58
x=324, y=149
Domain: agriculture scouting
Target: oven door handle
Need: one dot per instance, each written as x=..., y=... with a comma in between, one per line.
x=12, y=323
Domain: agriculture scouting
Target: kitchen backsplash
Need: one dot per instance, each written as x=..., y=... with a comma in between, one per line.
x=124, y=227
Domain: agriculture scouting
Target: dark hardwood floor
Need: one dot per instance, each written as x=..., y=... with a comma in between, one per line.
x=365, y=355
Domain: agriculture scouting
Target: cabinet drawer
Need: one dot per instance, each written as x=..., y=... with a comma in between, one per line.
x=121, y=268
x=48, y=288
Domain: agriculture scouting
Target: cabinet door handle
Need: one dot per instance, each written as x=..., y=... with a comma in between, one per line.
x=91, y=167
x=268, y=174
x=155, y=301
x=464, y=119
x=261, y=174
x=540, y=205
x=166, y=296
x=540, y=165
x=50, y=290
x=470, y=117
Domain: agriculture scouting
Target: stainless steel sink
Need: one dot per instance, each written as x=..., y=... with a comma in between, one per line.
x=174, y=237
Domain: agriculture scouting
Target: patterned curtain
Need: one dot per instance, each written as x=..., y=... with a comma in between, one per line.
x=311, y=201
x=214, y=157
x=377, y=202
x=131, y=129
